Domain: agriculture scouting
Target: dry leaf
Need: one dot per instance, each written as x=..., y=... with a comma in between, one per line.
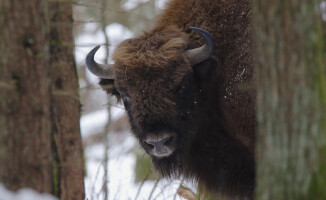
x=186, y=193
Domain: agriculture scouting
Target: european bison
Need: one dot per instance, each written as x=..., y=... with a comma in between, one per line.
x=191, y=105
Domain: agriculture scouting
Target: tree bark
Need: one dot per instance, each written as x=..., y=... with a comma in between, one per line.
x=40, y=143
x=25, y=148
x=291, y=100
x=65, y=104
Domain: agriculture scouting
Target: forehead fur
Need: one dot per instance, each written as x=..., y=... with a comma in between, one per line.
x=152, y=49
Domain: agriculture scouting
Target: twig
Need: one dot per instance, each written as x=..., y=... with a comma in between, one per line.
x=93, y=185
x=118, y=191
x=152, y=192
x=162, y=190
x=66, y=93
x=142, y=183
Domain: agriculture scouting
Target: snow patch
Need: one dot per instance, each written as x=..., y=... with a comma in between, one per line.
x=96, y=121
x=323, y=10
x=161, y=4
x=132, y=4
x=23, y=194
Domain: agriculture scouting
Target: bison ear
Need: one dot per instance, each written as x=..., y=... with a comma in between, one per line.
x=108, y=86
x=174, y=44
x=207, y=70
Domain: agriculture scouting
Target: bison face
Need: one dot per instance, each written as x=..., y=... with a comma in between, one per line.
x=155, y=82
x=160, y=108
x=154, y=76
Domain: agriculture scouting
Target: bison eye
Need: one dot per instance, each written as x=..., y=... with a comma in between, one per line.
x=124, y=94
x=151, y=146
x=185, y=85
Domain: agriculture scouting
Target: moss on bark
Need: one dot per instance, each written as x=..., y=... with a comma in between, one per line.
x=290, y=99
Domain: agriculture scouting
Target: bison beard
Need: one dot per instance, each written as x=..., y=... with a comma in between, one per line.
x=191, y=107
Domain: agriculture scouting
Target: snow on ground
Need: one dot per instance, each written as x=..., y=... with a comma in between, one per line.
x=121, y=163
x=23, y=194
x=121, y=184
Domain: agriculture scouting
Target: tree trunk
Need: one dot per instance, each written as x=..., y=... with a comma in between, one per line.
x=40, y=143
x=291, y=100
x=65, y=104
x=25, y=137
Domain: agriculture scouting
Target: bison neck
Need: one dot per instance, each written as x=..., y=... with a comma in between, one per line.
x=232, y=164
x=230, y=24
x=215, y=148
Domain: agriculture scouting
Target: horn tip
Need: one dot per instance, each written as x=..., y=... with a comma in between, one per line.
x=93, y=51
x=192, y=27
x=90, y=56
x=207, y=35
x=96, y=48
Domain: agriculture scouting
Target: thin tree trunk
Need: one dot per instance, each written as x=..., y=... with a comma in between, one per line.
x=65, y=106
x=291, y=100
x=25, y=128
x=108, y=123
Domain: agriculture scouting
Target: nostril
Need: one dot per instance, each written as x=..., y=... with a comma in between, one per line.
x=167, y=141
x=163, y=142
x=150, y=144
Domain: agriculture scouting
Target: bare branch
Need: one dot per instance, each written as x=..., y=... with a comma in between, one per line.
x=154, y=187
x=142, y=183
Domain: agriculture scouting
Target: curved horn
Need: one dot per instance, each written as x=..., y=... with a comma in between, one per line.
x=202, y=53
x=102, y=71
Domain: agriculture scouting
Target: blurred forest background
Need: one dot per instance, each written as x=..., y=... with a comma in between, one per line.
x=115, y=167
x=43, y=78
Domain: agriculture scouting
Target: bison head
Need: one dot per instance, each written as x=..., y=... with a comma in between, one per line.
x=154, y=76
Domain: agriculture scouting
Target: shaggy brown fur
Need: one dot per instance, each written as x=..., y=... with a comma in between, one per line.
x=210, y=106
